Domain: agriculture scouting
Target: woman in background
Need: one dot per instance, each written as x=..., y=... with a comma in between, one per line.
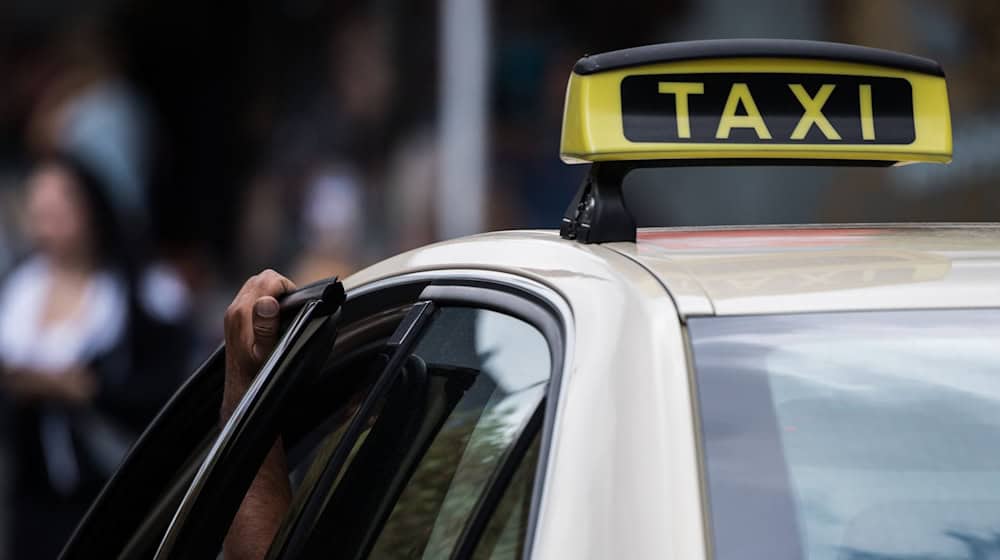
x=67, y=327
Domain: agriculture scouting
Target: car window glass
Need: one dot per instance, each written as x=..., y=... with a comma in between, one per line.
x=338, y=407
x=325, y=408
x=862, y=435
x=510, y=363
x=324, y=417
x=507, y=531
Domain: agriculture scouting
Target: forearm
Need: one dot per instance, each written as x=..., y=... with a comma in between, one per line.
x=262, y=510
x=267, y=500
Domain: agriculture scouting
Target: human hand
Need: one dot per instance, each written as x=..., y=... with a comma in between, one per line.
x=251, y=332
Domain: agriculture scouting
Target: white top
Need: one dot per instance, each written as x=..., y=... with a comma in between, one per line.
x=89, y=332
x=51, y=349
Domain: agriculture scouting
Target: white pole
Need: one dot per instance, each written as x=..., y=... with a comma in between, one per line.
x=464, y=124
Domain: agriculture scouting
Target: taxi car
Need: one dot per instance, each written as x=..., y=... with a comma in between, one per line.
x=821, y=392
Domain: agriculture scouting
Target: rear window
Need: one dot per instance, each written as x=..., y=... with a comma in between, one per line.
x=851, y=436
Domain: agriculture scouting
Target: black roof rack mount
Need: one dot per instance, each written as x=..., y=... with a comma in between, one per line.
x=597, y=213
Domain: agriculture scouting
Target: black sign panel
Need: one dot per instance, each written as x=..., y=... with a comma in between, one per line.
x=767, y=108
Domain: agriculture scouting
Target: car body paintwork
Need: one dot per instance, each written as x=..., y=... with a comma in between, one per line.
x=623, y=477
x=798, y=269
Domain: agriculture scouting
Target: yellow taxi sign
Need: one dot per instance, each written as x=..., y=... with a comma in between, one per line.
x=755, y=100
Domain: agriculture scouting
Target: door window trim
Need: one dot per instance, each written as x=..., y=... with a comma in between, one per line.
x=551, y=314
x=527, y=299
x=539, y=306
x=530, y=301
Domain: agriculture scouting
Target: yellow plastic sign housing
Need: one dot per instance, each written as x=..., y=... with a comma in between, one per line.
x=757, y=100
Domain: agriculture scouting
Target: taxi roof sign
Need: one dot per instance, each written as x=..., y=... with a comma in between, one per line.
x=756, y=99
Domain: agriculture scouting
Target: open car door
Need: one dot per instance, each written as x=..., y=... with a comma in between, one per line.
x=184, y=448
x=411, y=415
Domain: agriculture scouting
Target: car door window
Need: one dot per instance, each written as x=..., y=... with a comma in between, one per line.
x=465, y=413
x=506, y=532
x=511, y=362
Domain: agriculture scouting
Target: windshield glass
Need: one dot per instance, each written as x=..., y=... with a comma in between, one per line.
x=851, y=436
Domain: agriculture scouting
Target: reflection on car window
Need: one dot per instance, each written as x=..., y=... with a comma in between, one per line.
x=852, y=436
x=505, y=535
x=324, y=412
x=308, y=471
x=508, y=363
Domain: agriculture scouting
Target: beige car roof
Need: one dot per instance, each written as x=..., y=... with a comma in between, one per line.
x=753, y=270
x=792, y=269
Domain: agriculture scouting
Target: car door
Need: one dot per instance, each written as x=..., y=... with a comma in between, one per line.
x=412, y=416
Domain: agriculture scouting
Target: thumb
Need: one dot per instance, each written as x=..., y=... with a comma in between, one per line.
x=265, y=327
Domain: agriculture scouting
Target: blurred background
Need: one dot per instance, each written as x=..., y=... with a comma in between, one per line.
x=155, y=153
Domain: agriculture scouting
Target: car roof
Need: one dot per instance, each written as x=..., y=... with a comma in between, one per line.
x=796, y=269
x=753, y=270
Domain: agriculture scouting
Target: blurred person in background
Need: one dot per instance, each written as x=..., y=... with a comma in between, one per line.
x=82, y=363
x=89, y=108
x=328, y=161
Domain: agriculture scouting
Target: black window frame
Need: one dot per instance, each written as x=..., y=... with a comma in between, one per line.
x=510, y=299
x=203, y=517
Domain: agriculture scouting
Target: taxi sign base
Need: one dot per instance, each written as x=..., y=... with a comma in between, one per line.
x=597, y=213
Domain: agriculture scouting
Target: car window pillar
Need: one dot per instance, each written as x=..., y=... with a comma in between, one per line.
x=400, y=344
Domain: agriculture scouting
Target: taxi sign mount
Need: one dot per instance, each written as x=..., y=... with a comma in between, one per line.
x=752, y=101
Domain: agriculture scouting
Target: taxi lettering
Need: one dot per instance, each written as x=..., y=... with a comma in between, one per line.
x=767, y=108
x=739, y=95
x=740, y=98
